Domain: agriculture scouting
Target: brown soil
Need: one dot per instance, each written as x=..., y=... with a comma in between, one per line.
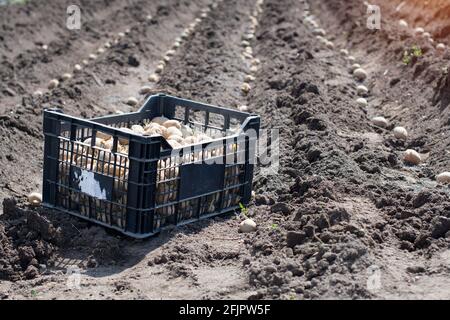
x=343, y=203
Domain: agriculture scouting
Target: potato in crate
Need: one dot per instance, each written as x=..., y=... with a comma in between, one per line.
x=173, y=162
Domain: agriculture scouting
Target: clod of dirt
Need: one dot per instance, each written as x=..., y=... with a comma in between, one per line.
x=362, y=90
x=400, y=133
x=362, y=102
x=53, y=84
x=247, y=226
x=132, y=101
x=443, y=177
x=380, y=122
x=294, y=238
x=35, y=199
x=360, y=74
x=412, y=157
x=439, y=226
x=281, y=207
x=31, y=272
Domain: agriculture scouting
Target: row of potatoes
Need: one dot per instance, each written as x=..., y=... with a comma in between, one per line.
x=100, y=159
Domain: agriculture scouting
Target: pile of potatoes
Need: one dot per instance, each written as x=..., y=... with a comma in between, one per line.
x=101, y=160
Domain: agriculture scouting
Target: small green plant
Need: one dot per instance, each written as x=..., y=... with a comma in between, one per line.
x=34, y=293
x=414, y=52
x=244, y=210
x=274, y=226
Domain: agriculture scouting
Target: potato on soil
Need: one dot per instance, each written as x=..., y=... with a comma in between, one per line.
x=92, y=56
x=355, y=66
x=440, y=47
x=53, y=84
x=362, y=102
x=412, y=157
x=38, y=93
x=249, y=78
x=344, y=52
x=145, y=90
x=402, y=23
x=132, y=101
x=35, y=199
x=351, y=59
x=380, y=122
x=443, y=177
x=360, y=74
x=419, y=31
x=362, y=90
x=170, y=53
x=254, y=68
x=247, y=226
x=153, y=78
x=319, y=32
x=243, y=108
x=400, y=133
x=246, y=87
x=66, y=76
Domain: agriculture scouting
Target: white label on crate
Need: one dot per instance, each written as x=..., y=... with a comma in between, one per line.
x=89, y=185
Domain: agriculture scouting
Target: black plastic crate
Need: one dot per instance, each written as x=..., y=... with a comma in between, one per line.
x=139, y=184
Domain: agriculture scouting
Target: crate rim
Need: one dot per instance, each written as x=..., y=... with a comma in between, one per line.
x=156, y=138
